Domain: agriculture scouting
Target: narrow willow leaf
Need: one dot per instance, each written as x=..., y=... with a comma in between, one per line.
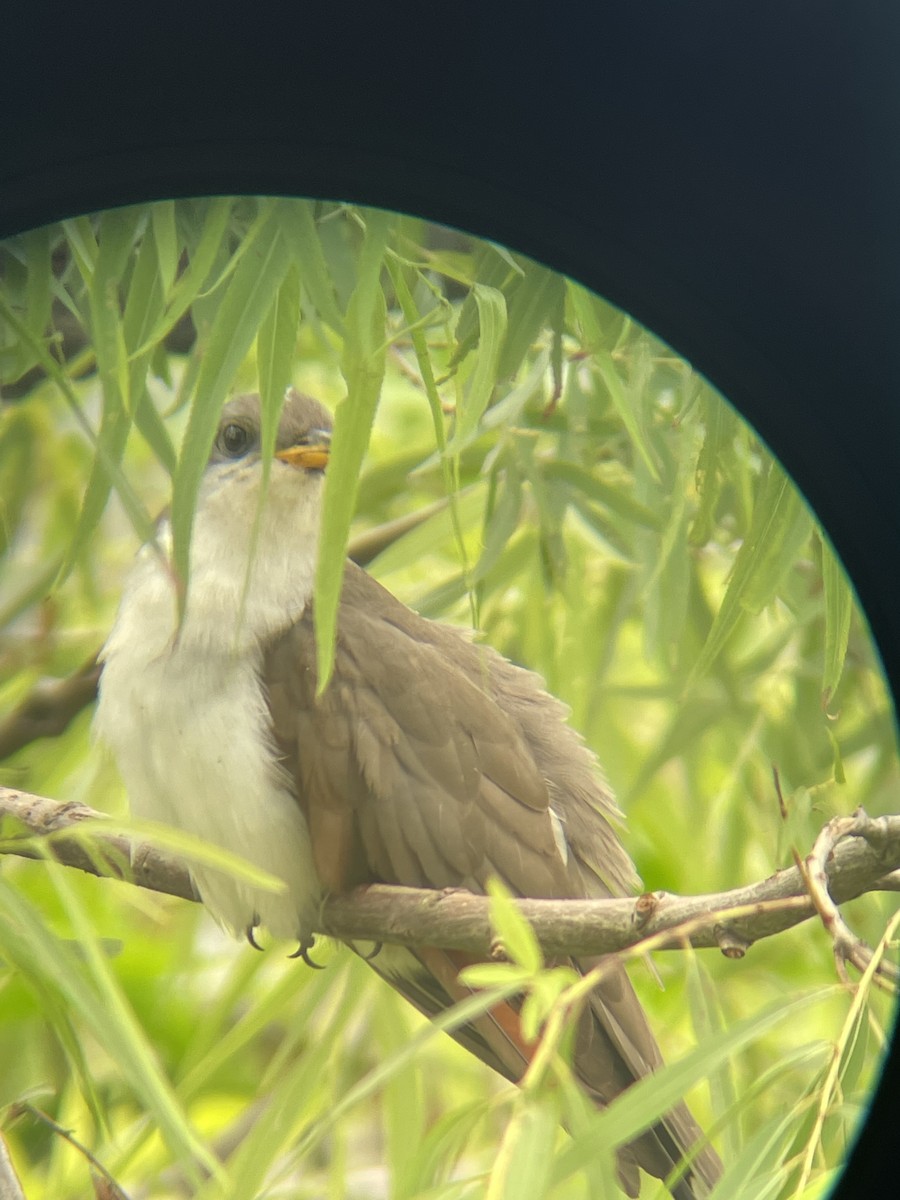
x=163, y=236
x=434, y=533
x=837, y=758
x=298, y=227
x=83, y=243
x=707, y=1018
x=275, y=345
x=38, y=294
x=362, y=365
x=106, y=458
x=838, y=610
x=449, y=461
x=779, y=528
x=608, y=531
x=143, y=309
x=248, y=297
x=186, y=289
x=144, y=302
x=476, y=396
x=534, y=306
x=503, y=520
x=526, y=1152
x=603, y=327
x=412, y=317
x=492, y=271
x=276, y=341
x=606, y=368
x=117, y=233
x=19, y=440
x=651, y=1097
x=450, y=1019
x=86, y=984
x=783, y=526
x=519, y=942
x=610, y=497
x=667, y=590
x=713, y=463
x=510, y=407
x=109, y=443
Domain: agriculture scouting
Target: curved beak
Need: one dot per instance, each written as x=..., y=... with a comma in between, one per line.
x=311, y=455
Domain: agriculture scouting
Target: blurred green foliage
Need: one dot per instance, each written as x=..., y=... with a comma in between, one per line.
x=601, y=515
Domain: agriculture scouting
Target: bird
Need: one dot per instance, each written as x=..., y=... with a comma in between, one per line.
x=429, y=760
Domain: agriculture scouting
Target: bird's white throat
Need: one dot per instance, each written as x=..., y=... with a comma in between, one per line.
x=184, y=711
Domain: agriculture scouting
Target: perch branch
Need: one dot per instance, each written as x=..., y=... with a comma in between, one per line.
x=862, y=860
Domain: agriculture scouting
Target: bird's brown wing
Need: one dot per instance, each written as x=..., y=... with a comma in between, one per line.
x=431, y=761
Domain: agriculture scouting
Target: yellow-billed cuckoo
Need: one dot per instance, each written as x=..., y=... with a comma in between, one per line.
x=429, y=761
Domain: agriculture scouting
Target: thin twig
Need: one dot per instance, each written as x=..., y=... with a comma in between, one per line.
x=847, y=946
x=110, y=1188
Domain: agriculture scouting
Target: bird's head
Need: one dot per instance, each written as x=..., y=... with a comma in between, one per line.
x=235, y=522
x=303, y=439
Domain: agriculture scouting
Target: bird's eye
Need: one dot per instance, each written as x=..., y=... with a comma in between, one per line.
x=234, y=440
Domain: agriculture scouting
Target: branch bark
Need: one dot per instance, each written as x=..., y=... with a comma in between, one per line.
x=867, y=859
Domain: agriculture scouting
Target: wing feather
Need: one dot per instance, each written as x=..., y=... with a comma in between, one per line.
x=485, y=779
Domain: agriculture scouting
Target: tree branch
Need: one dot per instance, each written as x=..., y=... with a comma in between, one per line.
x=867, y=858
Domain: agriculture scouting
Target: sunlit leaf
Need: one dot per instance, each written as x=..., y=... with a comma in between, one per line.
x=838, y=610
x=362, y=366
x=477, y=393
x=249, y=296
x=781, y=525
x=301, y=236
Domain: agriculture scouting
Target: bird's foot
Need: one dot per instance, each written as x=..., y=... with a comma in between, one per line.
x=249, y=932
x=302, y=951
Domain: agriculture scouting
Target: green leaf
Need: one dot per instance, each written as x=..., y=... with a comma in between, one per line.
x=248, y=298
x=627, y=410
x=503, y=520
x=651, y=1097
x=298, y=227
x=163, y=236
x=838, y=611
x=276, y=341
x=38, y=295
x=602, y=324
x=492, y=270
x=187, y=287
x=712, y=463
x=527, y=1151
x=533, y=306
x=614, y=498
x=476, y=395
x=107, y=451
x=362, y=366
x=86, y=985
x=517, y=937
x=19, y=440
x=83, y=243
x=781, y=525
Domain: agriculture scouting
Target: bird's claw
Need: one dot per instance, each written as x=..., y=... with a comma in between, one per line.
x=303, y=950
x=249, y=934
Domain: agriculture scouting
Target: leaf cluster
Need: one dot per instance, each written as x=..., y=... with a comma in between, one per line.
x=596, y=511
